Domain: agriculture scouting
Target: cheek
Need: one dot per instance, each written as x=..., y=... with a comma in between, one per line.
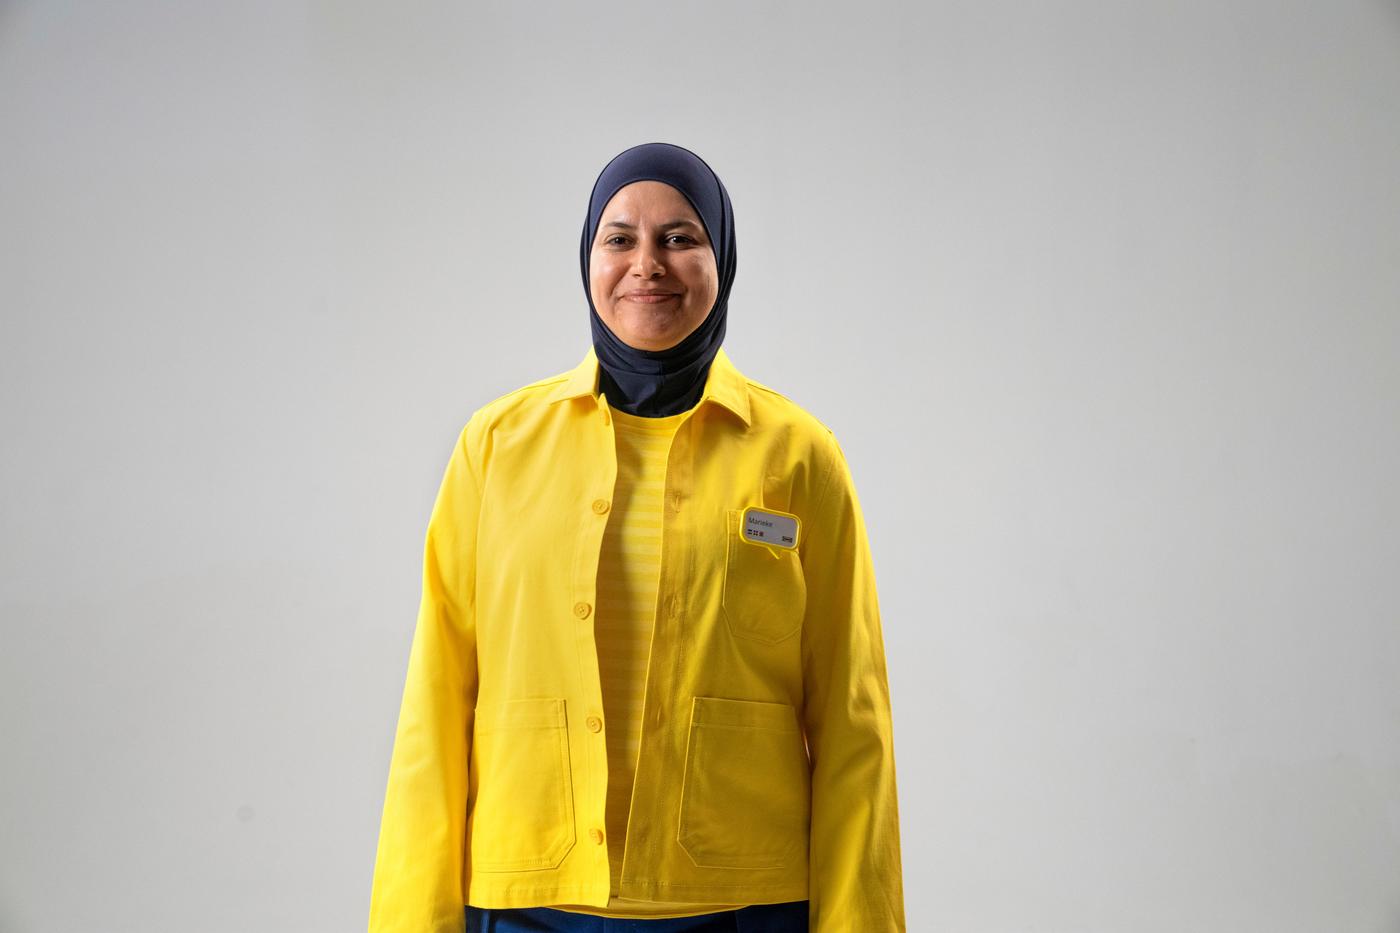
x=602, y=278
x=709, y=284
x=701, y=275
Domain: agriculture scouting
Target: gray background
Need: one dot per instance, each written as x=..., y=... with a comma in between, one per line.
x=1102, y=300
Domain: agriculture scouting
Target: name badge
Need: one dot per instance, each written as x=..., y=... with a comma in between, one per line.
x=766, y=526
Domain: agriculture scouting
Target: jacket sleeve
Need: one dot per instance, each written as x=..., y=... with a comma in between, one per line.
x=855, y=878
x=419, y=877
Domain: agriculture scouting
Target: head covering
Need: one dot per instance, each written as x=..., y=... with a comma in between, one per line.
x=656, y=383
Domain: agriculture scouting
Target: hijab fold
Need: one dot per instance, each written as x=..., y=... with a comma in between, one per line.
x=656, y=383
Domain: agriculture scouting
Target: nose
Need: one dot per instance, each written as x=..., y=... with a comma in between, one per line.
x=647, y=261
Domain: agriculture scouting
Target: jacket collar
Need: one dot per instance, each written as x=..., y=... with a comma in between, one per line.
x=723, y=384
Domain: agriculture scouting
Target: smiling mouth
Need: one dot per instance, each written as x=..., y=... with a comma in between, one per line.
x=649, y=299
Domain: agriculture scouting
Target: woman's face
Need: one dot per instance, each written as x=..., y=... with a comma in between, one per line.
x=652, y=271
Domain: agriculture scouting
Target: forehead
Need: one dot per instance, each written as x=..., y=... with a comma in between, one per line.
x=648, y=198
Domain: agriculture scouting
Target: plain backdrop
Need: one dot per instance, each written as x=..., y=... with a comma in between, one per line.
x=1102, y=300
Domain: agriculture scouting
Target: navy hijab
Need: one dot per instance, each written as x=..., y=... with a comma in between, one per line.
x=656, y=383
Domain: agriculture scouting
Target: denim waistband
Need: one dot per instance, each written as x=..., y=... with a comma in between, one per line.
x=789, y=917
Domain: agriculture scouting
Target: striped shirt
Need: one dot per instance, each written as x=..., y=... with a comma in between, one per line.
x=629, y=567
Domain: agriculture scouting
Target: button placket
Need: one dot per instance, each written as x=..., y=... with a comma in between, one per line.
x=600, y=449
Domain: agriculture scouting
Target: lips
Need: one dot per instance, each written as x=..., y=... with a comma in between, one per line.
x=650, y=297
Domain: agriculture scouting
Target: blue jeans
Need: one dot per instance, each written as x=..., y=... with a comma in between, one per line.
x=756, y=918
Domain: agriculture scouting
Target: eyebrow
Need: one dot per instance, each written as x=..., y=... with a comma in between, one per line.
x=678, y=222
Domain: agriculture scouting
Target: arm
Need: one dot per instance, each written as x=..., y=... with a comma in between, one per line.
x=855, y=873
x=419, y=872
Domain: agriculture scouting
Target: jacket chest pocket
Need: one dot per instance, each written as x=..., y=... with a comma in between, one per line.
x=522, y=816
x=764, y=592
x=746, y=789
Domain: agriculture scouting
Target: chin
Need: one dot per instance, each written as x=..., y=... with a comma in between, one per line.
x=652, y=345
x=653, y=339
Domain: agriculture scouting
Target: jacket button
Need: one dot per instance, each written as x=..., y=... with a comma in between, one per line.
x=596, y=835
x=594, y=723
x=582, y=610
x=600, y=505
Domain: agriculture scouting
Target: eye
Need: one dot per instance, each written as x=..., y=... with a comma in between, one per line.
x=615, y=236
x=681, y=236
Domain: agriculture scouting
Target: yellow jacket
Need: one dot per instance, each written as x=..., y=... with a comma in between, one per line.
x=766, y=770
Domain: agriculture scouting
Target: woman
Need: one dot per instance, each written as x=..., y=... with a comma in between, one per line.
x=647, y=685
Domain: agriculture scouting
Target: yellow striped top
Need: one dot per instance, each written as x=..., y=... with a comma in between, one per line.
x=629, y=568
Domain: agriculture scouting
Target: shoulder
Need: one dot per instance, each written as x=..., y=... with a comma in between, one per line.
x=806, y=435
x=771, y=412
x=773, y=409
x=527, y=397
x=508, y=409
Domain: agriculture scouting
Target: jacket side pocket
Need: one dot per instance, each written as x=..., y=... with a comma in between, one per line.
x=522, y=812
x=746, y=788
